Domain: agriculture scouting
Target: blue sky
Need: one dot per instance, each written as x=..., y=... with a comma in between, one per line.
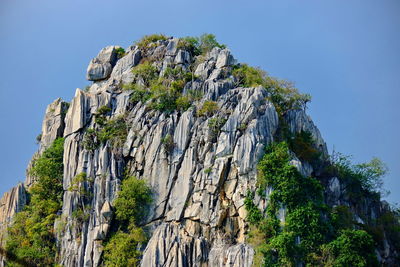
x=345, y=53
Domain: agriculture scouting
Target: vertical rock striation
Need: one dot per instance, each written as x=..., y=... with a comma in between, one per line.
x=198, y=216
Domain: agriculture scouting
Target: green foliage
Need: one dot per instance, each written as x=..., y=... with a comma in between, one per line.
x=208, y=109
x=183, y=103
x=100, y=115
x=282, y=93
x=389, y=221
x=164, y=93
x=352, y=248
x=307, y=231
x=121, y=249
x=103, y=110
x=207, y=41
x=31, y=236
x=168, y=142
x=199, y=45
x=80, y=215
x=90, y=140
x=38, y=138
x=48, y=171
x=120, y=52
x=249, y=76
x=190, y=44
x=146, y=72
x=290, y=186
x=342, y=218
x=132, y=202
x=364, y=177
x=194, y=95
x=208, y=170
x=150, y=40
x=242, y=127
x=131, y=207
x=215, y=125
x=254, y=215
x=78, y=185
x=115, y=131
x=303, y=145
x=285, y=96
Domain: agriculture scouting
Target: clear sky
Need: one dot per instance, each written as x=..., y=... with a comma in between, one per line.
x=345, y=53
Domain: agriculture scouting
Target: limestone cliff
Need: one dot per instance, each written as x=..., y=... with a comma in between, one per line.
x=199, y=182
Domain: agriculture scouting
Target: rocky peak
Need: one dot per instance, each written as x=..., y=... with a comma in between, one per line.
x=200, y=160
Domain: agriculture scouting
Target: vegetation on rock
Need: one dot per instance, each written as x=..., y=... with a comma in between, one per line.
x=282, y=93
x=31, y=236
x=131, y=207
x=306, y=234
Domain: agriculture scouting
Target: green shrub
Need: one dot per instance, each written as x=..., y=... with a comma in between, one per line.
x=103, y=110
x=352, y=248
x=100, y=115
x=131, y=207
x=208, y=170
x=90, y=140
x=168, y=142
x=132, y=202
x=215, y=125
x=115, y=131
x=148, y=40
x=121, y=249
x=242, y=127
x=48, y=171
x=139, y=94
x=342, y=218
x=147, y=72
x=177, y=73
x=254, y=215
x=285, y=96
x=190, y=44
x=199, y=45
x=309, y=235
x=31, y=236
x=164, y=93
x=39, y=138
x=78, y=185
x=80, y=215
x=120, y=52
x=247, y=76
x=303, y=145
x=360, y=178
x=208, y=109
x=207, y=42
x=282, y=93
x=194, y=95
x=183, y=103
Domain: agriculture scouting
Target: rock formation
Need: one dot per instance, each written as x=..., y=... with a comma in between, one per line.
x=198, y=216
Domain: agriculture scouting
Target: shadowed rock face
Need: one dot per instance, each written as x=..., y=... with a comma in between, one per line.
x=198, y=216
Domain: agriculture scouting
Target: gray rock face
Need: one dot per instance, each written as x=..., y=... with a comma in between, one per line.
x=11, y=202
x=200, y=182
x=53, y=123
x=299, y=121
x=101, y=66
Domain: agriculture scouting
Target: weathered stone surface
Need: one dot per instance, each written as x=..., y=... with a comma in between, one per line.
x=77, y=115
x=53, y=123
x=199, y=178
x=299, y=121
x=11, y=202
x=101, y=66
x=122, y=70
